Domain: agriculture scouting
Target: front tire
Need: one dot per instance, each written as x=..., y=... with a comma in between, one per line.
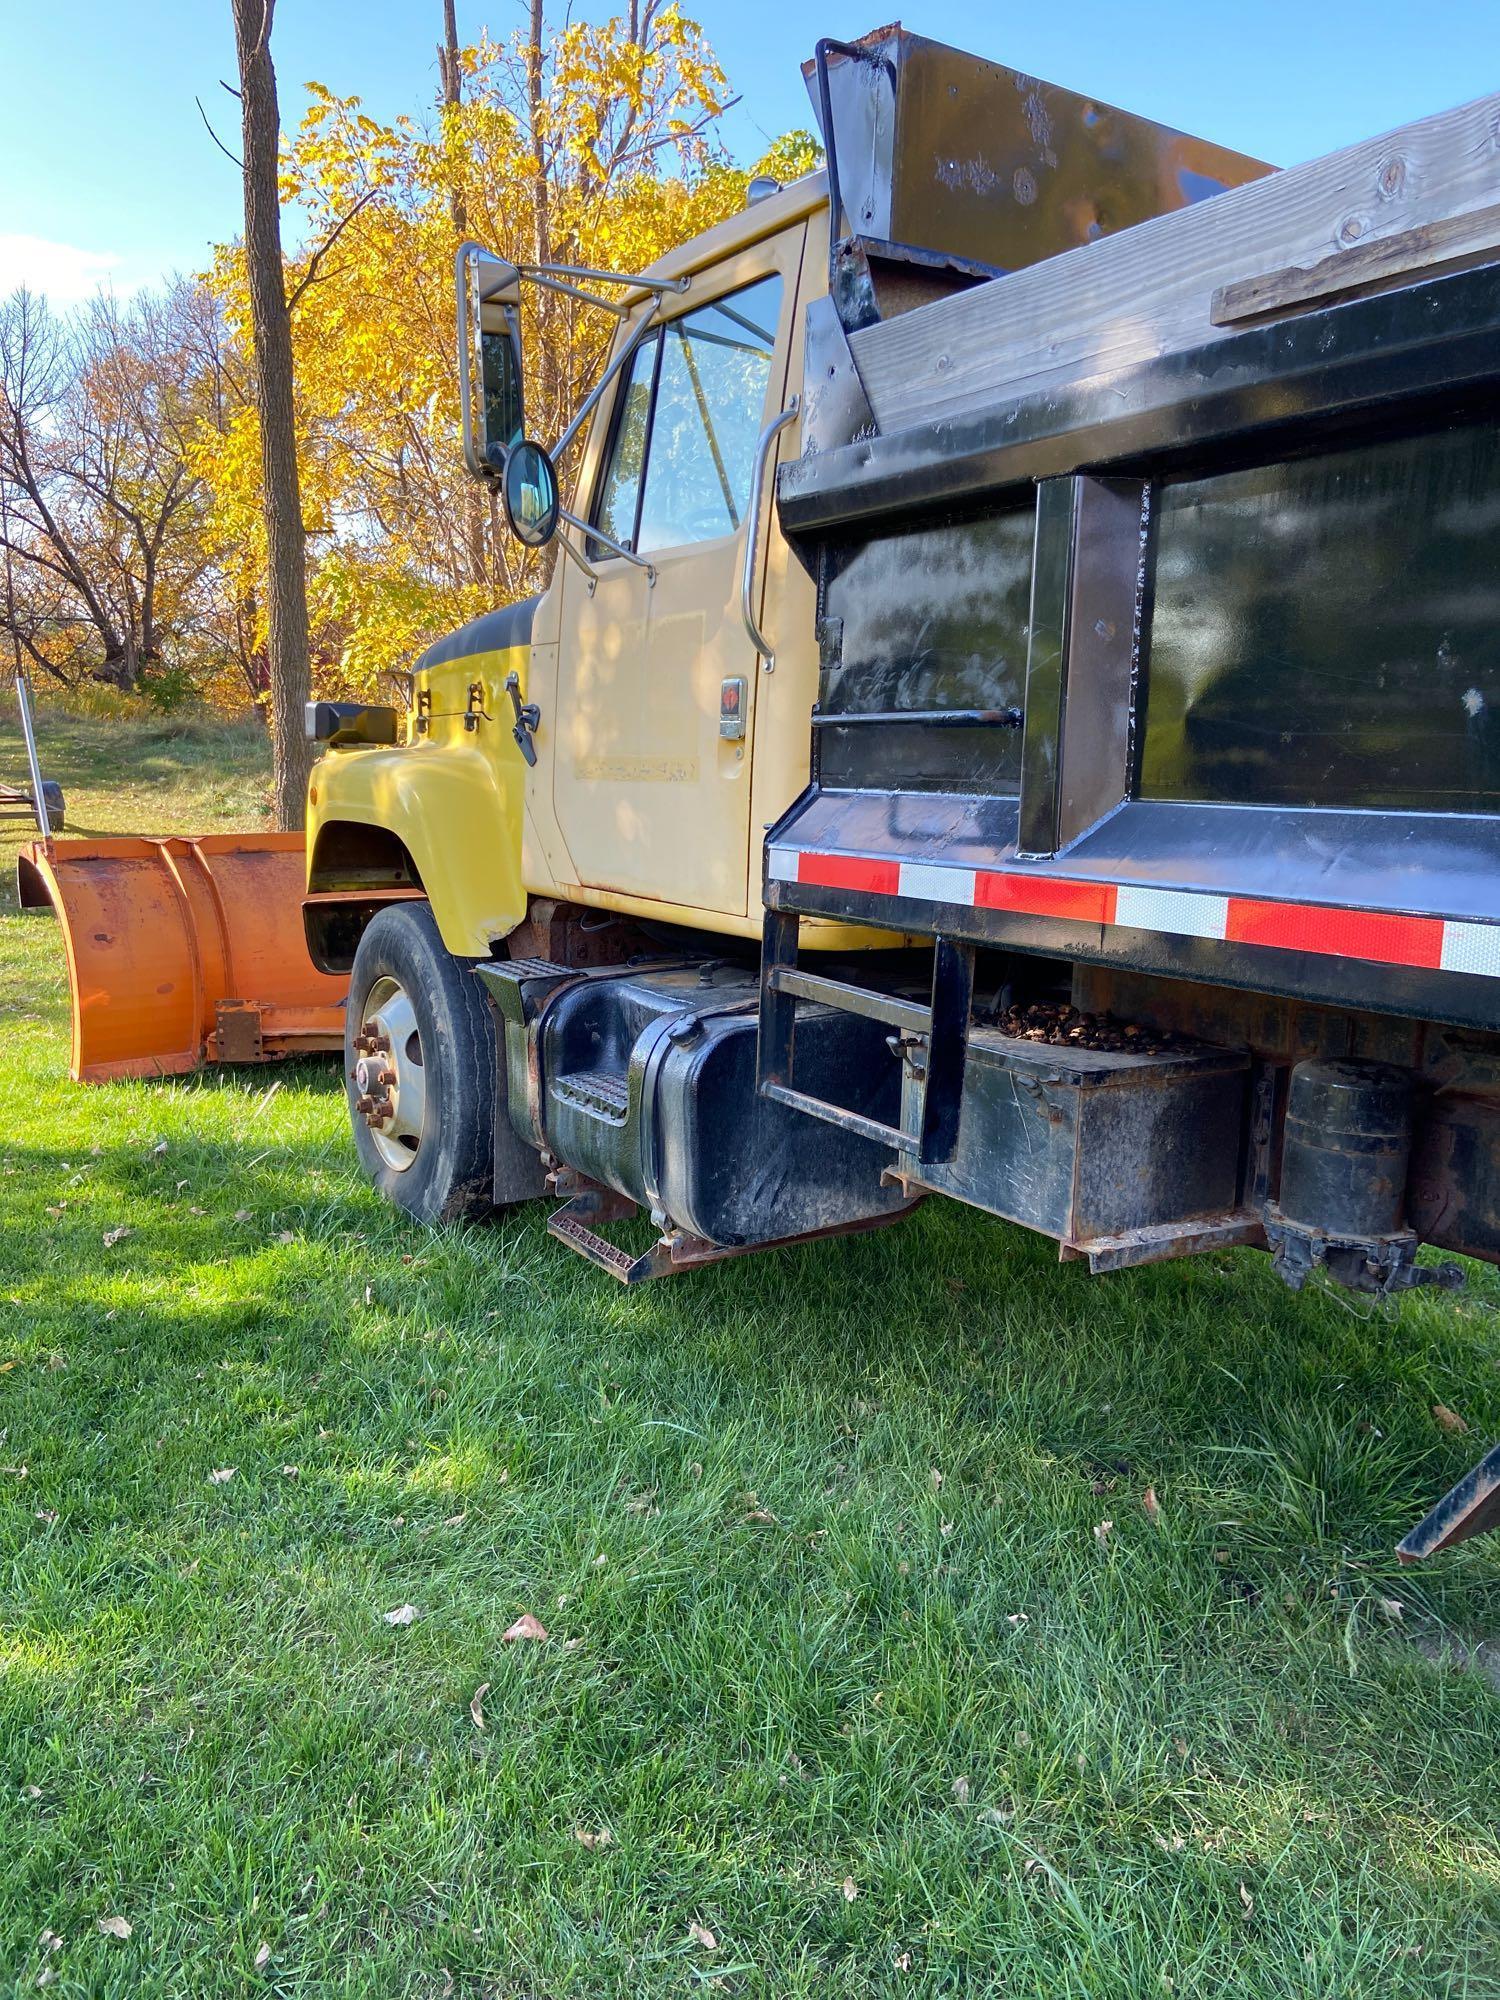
x=420, y=1069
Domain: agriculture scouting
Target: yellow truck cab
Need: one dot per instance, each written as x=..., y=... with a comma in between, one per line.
x=668, y=687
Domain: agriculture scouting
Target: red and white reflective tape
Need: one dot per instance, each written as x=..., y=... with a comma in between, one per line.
x=1382, y=937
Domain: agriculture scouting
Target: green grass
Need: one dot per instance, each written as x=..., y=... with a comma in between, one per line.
x=1195, y=1757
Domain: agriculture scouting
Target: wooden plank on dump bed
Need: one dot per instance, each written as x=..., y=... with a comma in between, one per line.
x=1151, y=290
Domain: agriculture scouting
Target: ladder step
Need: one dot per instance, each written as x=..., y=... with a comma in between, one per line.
x=530, y=968
x=570, y=1229
x=605, y=1091
x=835, y=1114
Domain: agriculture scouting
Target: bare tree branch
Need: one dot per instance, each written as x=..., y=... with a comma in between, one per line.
x=309, y=276
x=215, y=137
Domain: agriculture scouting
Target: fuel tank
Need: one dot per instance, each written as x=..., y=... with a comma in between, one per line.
x=642, y=1078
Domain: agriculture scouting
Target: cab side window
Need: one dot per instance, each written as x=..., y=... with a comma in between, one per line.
x=620, y=490
x=688, y=417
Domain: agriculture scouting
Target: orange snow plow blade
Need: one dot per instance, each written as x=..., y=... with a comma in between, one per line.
x=183, y=951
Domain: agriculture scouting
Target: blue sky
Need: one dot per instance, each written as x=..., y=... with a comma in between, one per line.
x=106, y=170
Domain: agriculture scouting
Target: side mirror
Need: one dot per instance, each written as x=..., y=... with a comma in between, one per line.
x=528, y=492
x=487, y=302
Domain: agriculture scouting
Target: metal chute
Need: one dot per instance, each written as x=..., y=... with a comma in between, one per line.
x=183, y=951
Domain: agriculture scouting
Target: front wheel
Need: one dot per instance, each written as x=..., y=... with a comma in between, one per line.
x=420, y=1067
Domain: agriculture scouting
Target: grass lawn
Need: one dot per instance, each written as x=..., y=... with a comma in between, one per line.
x=849, y=1689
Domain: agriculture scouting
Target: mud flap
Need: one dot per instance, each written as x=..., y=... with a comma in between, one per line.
x=183, y=951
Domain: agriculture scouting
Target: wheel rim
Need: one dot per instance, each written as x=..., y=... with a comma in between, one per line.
x=389, y=1077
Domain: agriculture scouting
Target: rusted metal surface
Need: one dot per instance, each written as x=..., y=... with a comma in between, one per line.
x=183, y=951
x=939, y=157
x=1160, y=1242
x=1472, y=1507
x=675, y=1250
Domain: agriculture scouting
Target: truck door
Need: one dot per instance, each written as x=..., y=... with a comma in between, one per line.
x=653, y=800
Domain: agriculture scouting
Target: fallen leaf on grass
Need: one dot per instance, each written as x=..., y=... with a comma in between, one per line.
x=1016, y=1619
x=476, y=1704
x=242, y=1215
x=1247, y=1901
x=114, y=1236
x=851, y=1888
x=587, y=1837
x=31, y=1791
x=706, y=1938
x=760, y=1517
x=1102, y=1532
x=290, y=1472
x=6, y=1366
x=961, y=1790
x=525, y=1627
x=404, y=1614
x=47, y=1516
x=1448, y=1420
x=903, y=1958
x=222, y=1476
x=1152, y=1505
x=116, y=1927
x=263, y=1958
x=937, y=1479
x=1392, y=1608
x=287, y=1236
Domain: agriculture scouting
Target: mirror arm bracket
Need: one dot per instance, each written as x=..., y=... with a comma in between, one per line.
x=615, y=548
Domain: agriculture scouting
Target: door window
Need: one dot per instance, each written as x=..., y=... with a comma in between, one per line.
x=684, y=475
x=620, y=491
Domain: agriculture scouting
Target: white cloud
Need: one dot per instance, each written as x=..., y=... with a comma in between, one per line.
x=64, y=274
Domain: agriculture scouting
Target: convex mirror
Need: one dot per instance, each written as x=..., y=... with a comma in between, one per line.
x=528, y=489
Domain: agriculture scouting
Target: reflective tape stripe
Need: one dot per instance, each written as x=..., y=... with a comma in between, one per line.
x=1380, y=937
x=1044, y=896
x=1369, y=934
x=1176, y=910
x=937, y=885
x=1472, y=948
x=850, y=871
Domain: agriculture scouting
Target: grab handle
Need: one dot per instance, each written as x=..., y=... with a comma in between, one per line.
x=763, y=450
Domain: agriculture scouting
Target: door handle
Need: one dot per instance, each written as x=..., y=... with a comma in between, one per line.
x=528, y=716
x=765, y=445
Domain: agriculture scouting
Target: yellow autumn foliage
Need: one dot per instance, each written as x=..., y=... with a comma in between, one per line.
x=594, y=149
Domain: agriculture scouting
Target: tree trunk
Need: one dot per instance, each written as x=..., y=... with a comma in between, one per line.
x=119, y=669
x=286, y=575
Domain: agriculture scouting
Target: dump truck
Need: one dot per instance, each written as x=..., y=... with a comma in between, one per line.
x=1015, y=716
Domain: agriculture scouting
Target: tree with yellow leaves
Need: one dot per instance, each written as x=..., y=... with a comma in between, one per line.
x=589, y=145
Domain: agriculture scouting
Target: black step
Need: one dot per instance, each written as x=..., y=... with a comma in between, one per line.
x=605, y=1092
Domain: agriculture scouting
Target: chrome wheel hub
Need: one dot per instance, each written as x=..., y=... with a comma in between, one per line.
x=390, y=1082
